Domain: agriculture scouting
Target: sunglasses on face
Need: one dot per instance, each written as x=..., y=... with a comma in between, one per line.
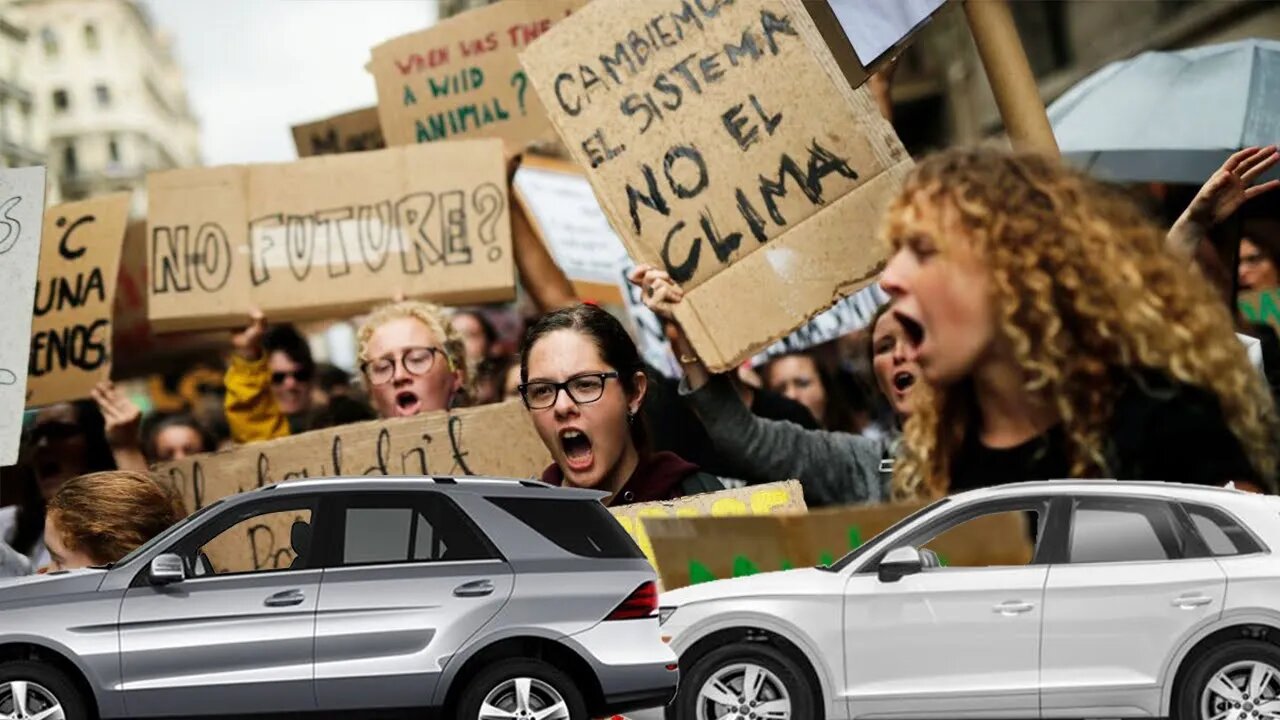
x=302, y=376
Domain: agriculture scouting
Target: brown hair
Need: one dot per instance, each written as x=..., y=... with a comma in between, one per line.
x=107, y=515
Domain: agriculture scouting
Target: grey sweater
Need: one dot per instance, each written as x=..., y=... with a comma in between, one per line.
x=835, y=468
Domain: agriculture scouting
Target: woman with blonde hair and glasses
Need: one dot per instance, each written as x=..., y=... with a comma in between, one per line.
x=411, y=357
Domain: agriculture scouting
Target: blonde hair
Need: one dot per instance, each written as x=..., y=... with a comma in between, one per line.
x=429, y=314
x=1083, y=286
x=108, y=515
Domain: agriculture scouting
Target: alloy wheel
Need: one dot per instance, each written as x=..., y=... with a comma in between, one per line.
x=524, y=699
x=24, y=700
x=1245, y=690
x=744, y=691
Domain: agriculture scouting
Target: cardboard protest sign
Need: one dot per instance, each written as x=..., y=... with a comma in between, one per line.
x=71, y=327
x=329, y=236
x=1261, y=306
x=136, y=349
x=494, y=440
x=875, y=26
x=21, y=207
x=354, y=131
x=461, y=78
x=564, y=213
x=694, y=550
x=849, y=315
x=726, y=147
x=752, y=500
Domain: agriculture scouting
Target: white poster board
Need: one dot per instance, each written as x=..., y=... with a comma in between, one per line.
x=21, y=220
x=874, y=26
x=576, y=231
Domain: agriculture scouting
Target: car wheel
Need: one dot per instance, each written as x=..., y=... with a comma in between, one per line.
x=522, y=688
x=1239, y=679
x=752, y=681
x=34, y=690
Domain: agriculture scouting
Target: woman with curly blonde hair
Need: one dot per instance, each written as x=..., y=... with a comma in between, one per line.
x=1058, y=337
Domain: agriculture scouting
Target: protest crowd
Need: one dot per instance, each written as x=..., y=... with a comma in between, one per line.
x=1035, y=323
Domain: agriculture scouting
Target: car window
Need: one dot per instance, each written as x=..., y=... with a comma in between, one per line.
x=582, y=527
x=425, y=527
x=996, y=533
x=1110, y=530
x=272, y=539
x=972, y=543
x=1220, y=532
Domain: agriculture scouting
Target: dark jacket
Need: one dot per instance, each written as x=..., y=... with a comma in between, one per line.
x=659, y=476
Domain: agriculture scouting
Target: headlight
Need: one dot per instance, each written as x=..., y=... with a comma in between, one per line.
x=664, y=614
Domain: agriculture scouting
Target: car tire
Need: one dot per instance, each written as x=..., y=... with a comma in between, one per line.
x=1235, y=660
x=498, y=685
x=781, y=679
x=45, y=684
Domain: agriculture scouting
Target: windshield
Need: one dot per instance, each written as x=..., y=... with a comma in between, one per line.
x=879, y=539
x=164, y=536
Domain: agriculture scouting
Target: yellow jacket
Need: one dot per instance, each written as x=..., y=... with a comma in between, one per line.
x=252, y=412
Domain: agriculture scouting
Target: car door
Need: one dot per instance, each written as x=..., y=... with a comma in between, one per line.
x=236, y=635
x=410, y=579
x=1132, y=587
x=958, y=640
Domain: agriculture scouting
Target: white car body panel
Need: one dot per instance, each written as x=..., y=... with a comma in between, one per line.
x=1103, y=639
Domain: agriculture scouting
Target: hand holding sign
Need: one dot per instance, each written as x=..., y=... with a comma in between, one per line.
x=661, y=293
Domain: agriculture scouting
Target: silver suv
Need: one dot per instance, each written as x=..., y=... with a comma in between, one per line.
x=478, y=598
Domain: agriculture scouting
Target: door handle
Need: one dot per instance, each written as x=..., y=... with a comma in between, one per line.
x=479, y=588
x=284, y=599
x=1186, y=602
x=1013, y=607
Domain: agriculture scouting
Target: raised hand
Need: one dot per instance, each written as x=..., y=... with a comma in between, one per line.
x=1229, y=188
x=123, y=418
x=247, y=341
x=660, y=293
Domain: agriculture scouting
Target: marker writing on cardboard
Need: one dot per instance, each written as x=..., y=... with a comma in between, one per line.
x=426, y=229
x=83, y=344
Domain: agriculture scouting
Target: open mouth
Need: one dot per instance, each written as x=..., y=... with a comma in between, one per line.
x=903, y=380
x=577, y=448
x=407, y=402
x=912, y=327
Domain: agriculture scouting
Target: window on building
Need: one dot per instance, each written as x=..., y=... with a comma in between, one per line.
x=91, y=37
x=50, y=41
x=69, y=164
x=61, y=101
x=104, y=95
x=113, y=151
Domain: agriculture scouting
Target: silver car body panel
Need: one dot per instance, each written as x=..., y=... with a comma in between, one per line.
x=375, y=636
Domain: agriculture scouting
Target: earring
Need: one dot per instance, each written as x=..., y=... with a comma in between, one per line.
x=630, y=417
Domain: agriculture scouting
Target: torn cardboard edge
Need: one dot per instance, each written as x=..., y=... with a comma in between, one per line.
x=772, y=290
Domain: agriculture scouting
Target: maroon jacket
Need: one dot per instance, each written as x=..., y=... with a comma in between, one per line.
x=659, y=476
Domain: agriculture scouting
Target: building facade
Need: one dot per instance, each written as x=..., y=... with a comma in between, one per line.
x=111, y=94
x=24, y=135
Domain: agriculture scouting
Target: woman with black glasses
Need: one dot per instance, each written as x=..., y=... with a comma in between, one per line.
x=583, y=382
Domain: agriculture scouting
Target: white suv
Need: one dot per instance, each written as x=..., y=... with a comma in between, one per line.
x=1139, y=600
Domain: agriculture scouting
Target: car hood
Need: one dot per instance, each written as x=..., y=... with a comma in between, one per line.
x=15, y=589
x=783, y=582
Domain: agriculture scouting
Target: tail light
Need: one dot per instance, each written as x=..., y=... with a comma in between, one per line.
x=642, y=603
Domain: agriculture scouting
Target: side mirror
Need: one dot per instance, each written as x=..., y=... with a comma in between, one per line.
x=900, y=562
x=166, y=569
